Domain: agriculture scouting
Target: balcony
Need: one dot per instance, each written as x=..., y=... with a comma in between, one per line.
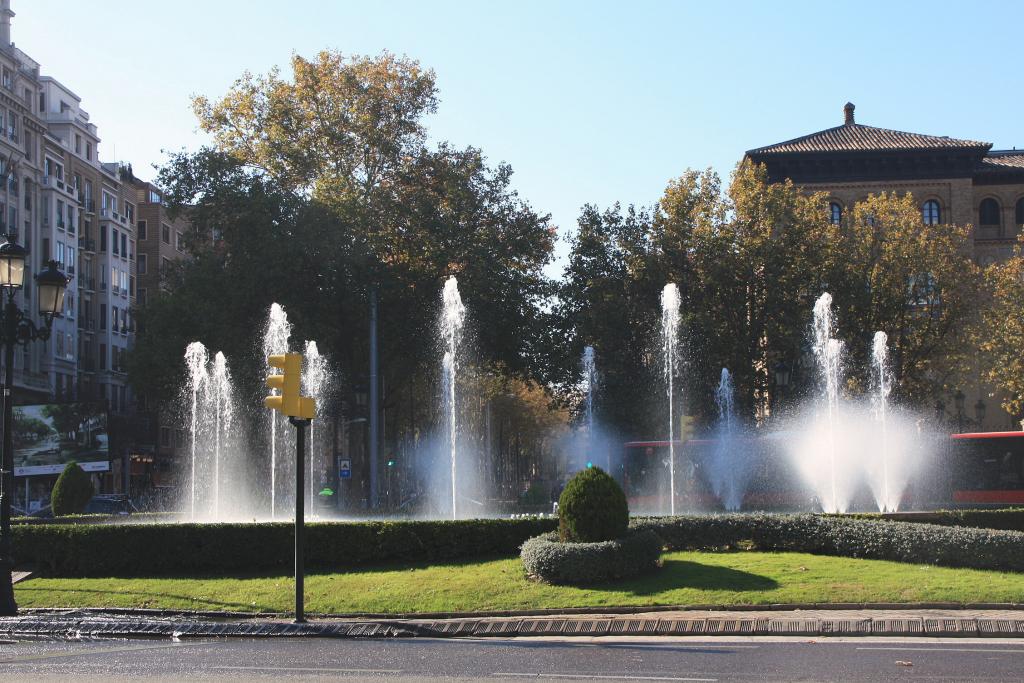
x=86, y=324
x=90, y=205
x=87, y=283
x=86, y=244
x=47, y=181
x=106, y=213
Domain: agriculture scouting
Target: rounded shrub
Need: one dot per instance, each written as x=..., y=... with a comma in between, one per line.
x=592, y=508
x=72, y=491
x=548, y=559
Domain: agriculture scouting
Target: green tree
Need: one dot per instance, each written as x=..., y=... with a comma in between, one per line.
x=1000, y=334
x=915, y=282
x=72, y=491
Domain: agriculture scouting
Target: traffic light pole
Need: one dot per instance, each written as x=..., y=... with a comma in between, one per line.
x=300, y=464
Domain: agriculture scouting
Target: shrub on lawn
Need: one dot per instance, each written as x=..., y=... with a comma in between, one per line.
x=72, y=491
x=592, y=508
x=846, y=537
x=212, y=549
x=549, y=559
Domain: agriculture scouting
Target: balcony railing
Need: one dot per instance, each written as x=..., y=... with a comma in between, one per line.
x=47, y=181
x=105, y=212
x=90, y=205
x=86, y=244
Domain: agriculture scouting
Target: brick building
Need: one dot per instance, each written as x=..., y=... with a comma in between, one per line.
x=964, y=182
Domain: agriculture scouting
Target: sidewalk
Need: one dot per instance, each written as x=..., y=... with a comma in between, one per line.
x=997, y=623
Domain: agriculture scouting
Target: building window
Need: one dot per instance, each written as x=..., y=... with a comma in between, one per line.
x=124, y=244
x=154, y=197
x=140, y=264
x=88, y=150
x=930, y=212
x=988, y=212
x=114, y=243
x=1020, y=212
x=142, y=230
x=165, y=233
x=179, y=242
x=129, y=212
x=835, y=213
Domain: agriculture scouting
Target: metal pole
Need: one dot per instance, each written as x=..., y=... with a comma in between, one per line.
x=8, y=607
x=374, y=408
x=300, y=460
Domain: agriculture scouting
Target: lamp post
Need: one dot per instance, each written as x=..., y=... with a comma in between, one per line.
x=979, y=413
x=782, y=377
x=959, y=399
x=17, y=328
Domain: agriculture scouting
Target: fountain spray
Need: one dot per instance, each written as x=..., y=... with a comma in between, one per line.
x=670, y=353
x=829, y=352
x=275, y=342
x=223, y=410
x=882, y=380
x=315, y=377
x=196, y=358
x=453, y=318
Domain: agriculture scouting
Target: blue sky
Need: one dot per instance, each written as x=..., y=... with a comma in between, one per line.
x=590, y=102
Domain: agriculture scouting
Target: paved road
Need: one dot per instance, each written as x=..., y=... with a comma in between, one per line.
x=514, y=660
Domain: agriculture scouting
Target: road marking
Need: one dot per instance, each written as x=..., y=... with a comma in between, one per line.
x=80, y=653
x=941, y=649
x=308, y=669
x=595, y=676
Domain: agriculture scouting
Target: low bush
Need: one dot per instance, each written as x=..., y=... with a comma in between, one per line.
x=592, y=508
x=230, y=549
x=845, y=537
x=549, y=559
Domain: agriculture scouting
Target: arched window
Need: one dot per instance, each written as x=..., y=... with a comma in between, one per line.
x=930, y=212
x=1020, y=211
x=988, y=212
x=835, y=213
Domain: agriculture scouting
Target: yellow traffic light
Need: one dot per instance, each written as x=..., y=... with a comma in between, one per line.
x=290, y=402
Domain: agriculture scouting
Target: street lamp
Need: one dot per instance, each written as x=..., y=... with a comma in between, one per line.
x=782, y=377
x=979, y=412
x=17, y=328
x=958, y=400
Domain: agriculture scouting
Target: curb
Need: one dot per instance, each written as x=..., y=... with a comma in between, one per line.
x=78, y=627
x=498, y=614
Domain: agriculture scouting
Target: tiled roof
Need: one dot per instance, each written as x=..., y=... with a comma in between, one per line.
x=854, y=137
x=1002, y=160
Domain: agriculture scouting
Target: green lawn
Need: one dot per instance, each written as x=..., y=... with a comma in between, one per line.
x=736, y=578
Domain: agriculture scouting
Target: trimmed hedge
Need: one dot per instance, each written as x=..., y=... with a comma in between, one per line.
x=72, y=492
x=548, y=559
x=231, y=549
x=1008, y=519
x=845, y=537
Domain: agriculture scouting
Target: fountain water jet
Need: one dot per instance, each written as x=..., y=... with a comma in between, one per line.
x=223, y=411
x=670, y=358
x=196, y=359
x=590, y=382
x=828, y=353
x=275, y=342
x=881, y=379
x=728, y=476
x=315, y=378
x=453, y=318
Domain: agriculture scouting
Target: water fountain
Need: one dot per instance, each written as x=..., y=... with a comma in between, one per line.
x=275, y=341
x=670, y=358
x=223, y=412
x=196, y=359
x=881, y=380
x=828, y=353
x=590, y=387
x=315, y=379
x=728, y=472
x=453, y=318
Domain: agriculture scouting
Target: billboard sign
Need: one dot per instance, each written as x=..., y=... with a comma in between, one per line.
x=48, y=436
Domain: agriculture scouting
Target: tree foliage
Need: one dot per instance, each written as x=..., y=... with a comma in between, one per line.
x=1000, y=335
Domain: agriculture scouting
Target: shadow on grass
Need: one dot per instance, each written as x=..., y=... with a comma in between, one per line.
x=677, y=574
x=152, y=596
